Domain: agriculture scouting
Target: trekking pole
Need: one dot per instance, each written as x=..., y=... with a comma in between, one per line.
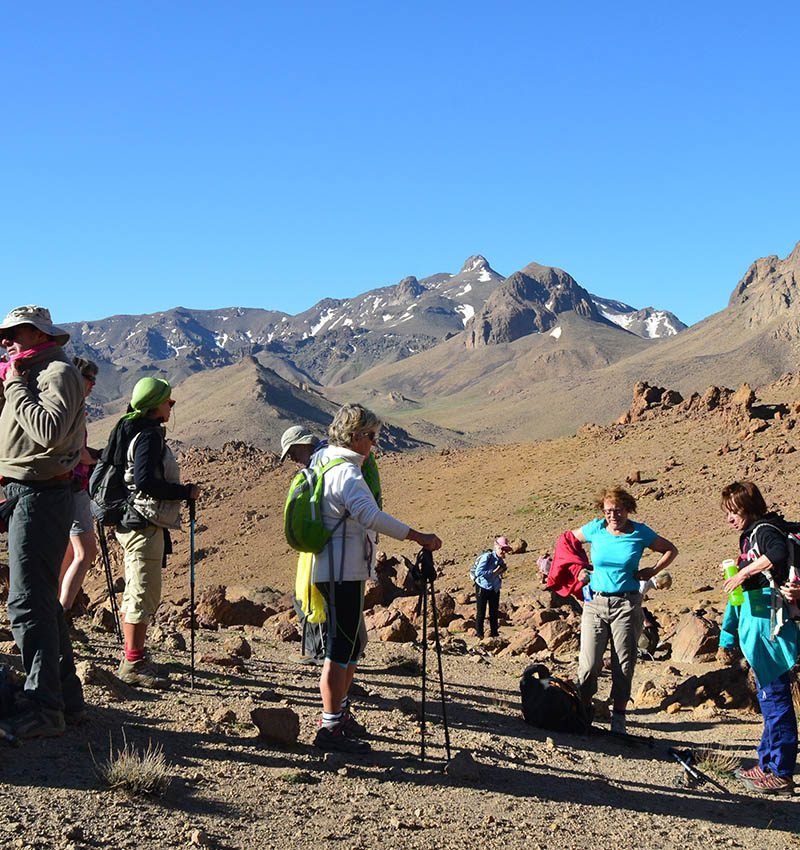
x=191, y=583
x=112, y=597
x=424, y=573
x=424, y=593
x=438, y=646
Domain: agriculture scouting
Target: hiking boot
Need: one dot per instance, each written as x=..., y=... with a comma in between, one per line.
x=39, y=723
x=751, y=773
x=75, y=716
x=771, y=784
x=338, y=740
x=142, y=674
x=619, y=725
x=351, y=726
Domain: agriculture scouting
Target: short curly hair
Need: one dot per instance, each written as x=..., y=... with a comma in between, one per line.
x=618, y=496
x=350, y=420
x=743, y=498
x=87, y=368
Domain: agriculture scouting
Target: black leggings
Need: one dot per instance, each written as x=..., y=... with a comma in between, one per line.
x=482, y=596
x=343, y=644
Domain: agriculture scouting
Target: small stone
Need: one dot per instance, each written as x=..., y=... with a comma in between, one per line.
x=199, y=838
x=463, y=766
x=673, y=708
x=224, y=715
x=237, y=646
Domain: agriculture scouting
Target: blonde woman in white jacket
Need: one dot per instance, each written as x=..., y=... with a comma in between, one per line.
x=340, y=570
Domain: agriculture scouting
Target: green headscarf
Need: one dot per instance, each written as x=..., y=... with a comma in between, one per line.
x=147, y=394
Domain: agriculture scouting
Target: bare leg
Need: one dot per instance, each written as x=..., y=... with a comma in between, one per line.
x=334, y=684
x=135, y=635
x=80, y=554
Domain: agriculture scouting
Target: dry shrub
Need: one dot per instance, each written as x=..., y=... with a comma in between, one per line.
x=717, y=760
x=145, y=772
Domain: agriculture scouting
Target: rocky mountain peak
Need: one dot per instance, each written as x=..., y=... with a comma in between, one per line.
x=529, y=301
x=769, y=288
x=409, y=289
x=476, y=263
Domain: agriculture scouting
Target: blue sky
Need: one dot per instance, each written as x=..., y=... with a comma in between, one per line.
x=268, y=155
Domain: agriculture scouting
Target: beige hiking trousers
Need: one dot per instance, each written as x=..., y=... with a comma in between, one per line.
x=620, y=619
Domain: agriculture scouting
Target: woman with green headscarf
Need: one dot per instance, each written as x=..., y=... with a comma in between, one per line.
x=153, y=478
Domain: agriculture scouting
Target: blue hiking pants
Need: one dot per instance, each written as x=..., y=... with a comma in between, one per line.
x=778, y=748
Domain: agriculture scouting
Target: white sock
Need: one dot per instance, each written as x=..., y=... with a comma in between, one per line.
x=331, y=721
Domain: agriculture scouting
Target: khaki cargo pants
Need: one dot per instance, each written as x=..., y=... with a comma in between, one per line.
x=620, y=619
x=144, y=559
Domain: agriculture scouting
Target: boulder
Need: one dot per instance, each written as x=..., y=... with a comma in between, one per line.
x=278, y=725
x=555, y=633
x=220, y=660
x=543, y=615
x=696, y=638
x=526, y=643
x=214, y=610
x=400, y=630
x=374, y=594
x=236, y=645
x=287, y=632
x=463, y=766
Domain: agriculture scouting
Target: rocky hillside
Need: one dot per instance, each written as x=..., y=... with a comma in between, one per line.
x=252, y=405
x=528, y=302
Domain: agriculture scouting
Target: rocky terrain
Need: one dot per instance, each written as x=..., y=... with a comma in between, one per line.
x=233, y=786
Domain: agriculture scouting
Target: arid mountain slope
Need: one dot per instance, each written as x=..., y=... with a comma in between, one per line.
x=250, y=404
x=581, y=370
x=684, y=455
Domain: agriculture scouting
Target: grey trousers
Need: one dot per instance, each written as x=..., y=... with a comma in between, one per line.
x=38, y=533
x=620, y=619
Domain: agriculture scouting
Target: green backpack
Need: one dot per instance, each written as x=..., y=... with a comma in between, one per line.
x=302, y=514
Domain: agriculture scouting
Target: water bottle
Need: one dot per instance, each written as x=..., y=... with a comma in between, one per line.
x=729, y=568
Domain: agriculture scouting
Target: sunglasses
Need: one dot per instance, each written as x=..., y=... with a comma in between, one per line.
x=372, y=435
x=91, y=379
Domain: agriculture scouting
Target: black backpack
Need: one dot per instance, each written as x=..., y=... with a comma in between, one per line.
x=107, y=488
x=551, y=703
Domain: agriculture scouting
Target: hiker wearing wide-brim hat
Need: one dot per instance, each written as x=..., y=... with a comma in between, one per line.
x=153, y=478
x=41, y=435
x=39, y=318
x=299, y=444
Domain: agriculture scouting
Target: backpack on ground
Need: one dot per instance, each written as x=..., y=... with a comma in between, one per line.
x=108, y=491
x=551, y=703
x=649, y=638
x=302, y=513
x=473, y=569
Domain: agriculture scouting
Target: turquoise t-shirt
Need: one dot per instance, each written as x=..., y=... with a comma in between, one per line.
x=615, y=559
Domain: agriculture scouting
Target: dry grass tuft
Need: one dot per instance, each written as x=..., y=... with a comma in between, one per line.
x=717, y=760
x=145, y=772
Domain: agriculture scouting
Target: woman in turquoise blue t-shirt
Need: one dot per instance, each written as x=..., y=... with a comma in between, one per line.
x=615, y=608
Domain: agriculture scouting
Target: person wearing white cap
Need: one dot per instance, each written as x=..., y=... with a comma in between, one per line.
x=488, y=571
x=298, y=444
x=41, y=436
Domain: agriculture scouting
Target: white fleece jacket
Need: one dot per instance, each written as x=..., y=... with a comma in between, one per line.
x=352, y=549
